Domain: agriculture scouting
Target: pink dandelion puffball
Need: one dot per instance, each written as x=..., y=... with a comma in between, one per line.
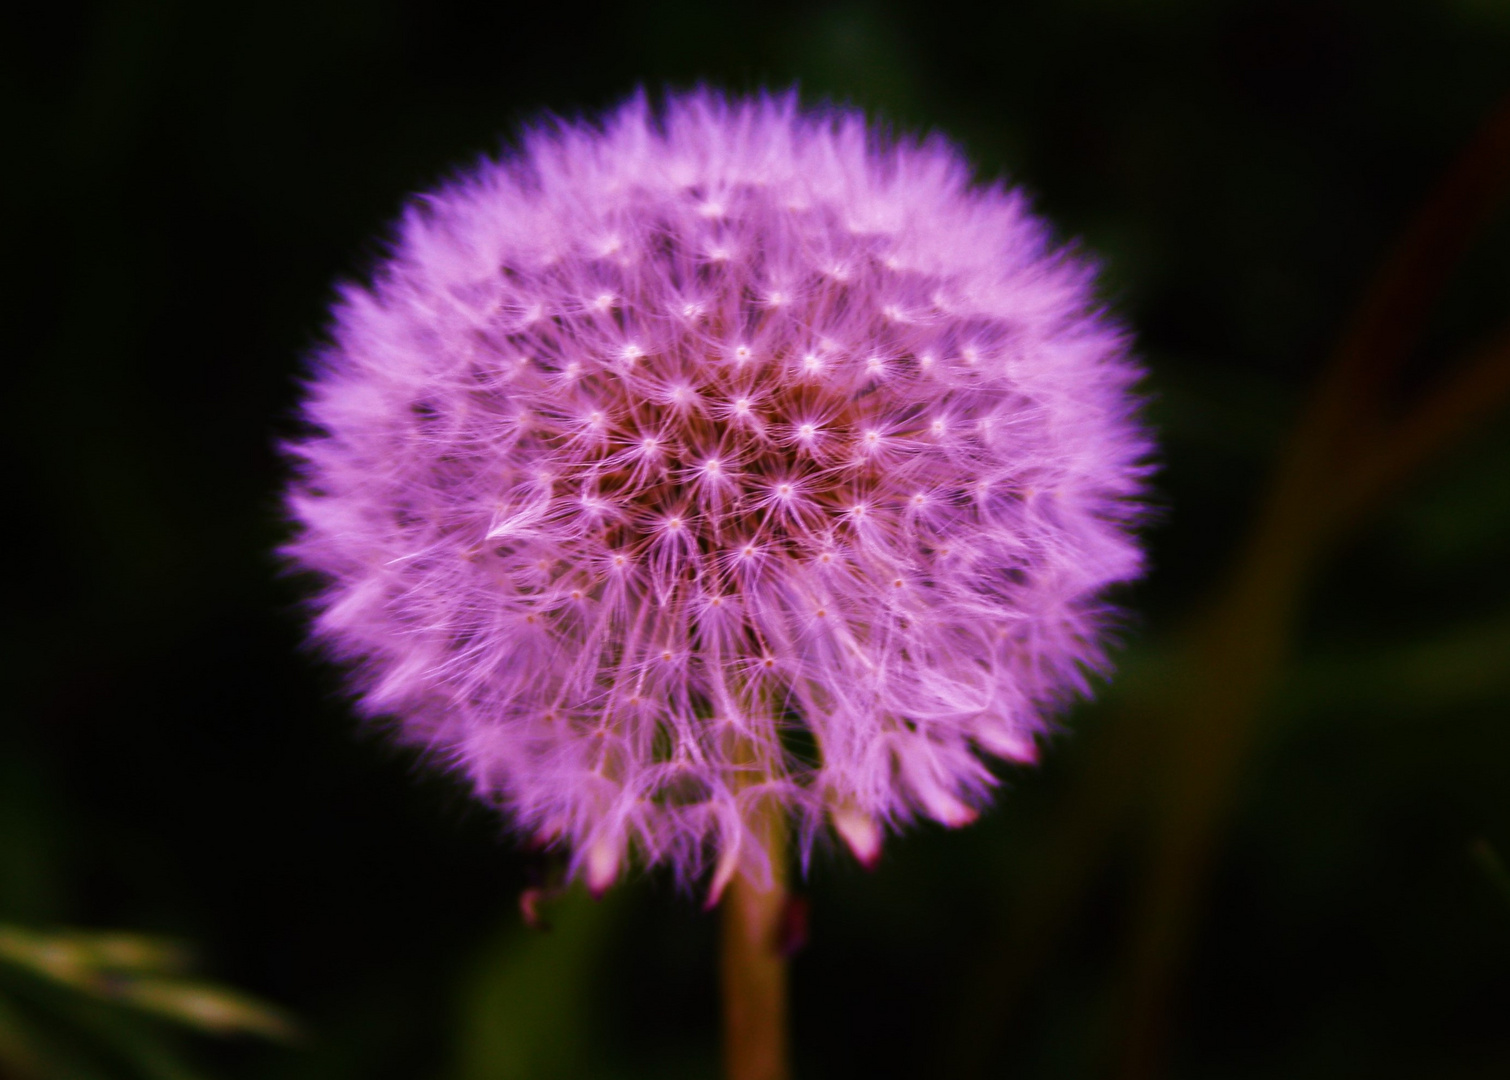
x=719, y=463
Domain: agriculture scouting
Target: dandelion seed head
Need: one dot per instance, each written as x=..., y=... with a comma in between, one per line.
x=670, y=434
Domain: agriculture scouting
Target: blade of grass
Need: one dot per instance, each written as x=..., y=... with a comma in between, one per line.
x=208, y=1008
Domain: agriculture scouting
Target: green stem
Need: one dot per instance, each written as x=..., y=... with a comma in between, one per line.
x=1489, y=862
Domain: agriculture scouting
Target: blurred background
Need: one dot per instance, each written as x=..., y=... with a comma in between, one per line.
x=1274, y=846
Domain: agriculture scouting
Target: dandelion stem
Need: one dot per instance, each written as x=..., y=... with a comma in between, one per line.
x=754, y=975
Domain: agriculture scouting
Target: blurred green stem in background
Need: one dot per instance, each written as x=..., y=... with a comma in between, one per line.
x=522, y=1014
x=1190, y=730
x=1493, y=866
x=1348, y=454
x=71, y=1000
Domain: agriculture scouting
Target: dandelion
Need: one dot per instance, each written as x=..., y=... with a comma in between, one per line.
x=717, y=472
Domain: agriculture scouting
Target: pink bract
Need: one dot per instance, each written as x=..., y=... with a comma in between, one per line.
x=720, y=460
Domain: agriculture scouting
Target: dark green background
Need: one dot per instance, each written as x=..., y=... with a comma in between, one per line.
x=187, y=180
